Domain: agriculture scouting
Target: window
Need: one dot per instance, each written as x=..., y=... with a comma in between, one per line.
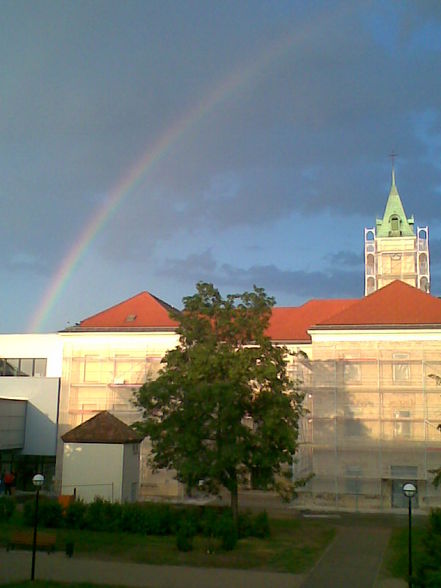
x=401, y=371
x=394, y=223
x=352, y=372
x=352, y=481
x=402, y=424
x=40, y=367
x=130, y=369
x=394, y=226
x=92, y=369
x=23, y=367
x=27, y=367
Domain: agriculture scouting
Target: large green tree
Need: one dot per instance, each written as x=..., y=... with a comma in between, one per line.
x=223, y=408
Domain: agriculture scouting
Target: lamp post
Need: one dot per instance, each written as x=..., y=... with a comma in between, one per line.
x=410, y=490
x=38, y=481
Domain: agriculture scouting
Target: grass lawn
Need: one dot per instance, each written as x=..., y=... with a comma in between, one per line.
x=395, y=561
x=294, y=546
x=49, y=584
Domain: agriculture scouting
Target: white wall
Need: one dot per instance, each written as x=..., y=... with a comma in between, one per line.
x=49, y=346
x=41, y=414
x=94, y=469
x=130, y=478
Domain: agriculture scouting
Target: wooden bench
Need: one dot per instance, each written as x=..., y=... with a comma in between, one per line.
x=25, y=539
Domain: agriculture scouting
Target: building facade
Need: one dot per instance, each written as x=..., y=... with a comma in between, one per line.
x=370, y=369
x=373, y=399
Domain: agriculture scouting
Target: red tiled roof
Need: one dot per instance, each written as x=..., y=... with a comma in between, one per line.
x=143, y=311
x=102, y=428
x=292, y=323
x=397, y=304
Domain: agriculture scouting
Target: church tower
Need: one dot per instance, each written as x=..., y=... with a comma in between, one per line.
x=392, y=250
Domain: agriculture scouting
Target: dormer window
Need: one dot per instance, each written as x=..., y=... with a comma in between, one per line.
x=130, y=318
x=395, y=226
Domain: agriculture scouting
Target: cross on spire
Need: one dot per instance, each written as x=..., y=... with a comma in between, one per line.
x=393, y=155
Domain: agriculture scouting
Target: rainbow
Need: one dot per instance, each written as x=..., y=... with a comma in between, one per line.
x=236, y=80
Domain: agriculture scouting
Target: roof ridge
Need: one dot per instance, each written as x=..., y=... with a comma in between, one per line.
x=396, y=304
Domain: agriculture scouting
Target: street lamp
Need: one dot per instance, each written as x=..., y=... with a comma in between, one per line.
x=410, y=490
x=38, y=481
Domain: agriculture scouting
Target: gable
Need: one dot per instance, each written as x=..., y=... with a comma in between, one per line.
x=143, y=311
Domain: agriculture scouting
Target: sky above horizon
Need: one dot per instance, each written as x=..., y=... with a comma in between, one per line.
x=147, y=145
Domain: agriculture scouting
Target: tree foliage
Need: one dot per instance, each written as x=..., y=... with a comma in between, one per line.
x=223, y=409
x=437, y=471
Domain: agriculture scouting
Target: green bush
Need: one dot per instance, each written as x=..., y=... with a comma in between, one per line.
x=50, y=514
x=245, y=525
x=75, y=516
x=189, y=517
x=428, y=567
x=29, y=513
x=102, y=515
x=209, y=521
x=7, y=508
x=260, y=526
x=435, y=521
x=148, y=519
x=226, y=531
x=132, y=520
x=184, y=535
x=157, y=519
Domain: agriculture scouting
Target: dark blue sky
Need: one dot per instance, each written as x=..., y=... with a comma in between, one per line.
x=272, y=183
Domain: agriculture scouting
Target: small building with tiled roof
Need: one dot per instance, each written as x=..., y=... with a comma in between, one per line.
x=101, y=458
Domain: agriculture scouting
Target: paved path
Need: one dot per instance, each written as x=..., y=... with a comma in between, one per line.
x=16, y=565
x=352, y=560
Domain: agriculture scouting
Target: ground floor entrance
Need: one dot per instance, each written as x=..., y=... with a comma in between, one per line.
x=24, y=467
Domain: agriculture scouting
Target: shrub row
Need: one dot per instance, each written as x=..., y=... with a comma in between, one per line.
x=7, y=507
x=428, y=568
x=149, y=519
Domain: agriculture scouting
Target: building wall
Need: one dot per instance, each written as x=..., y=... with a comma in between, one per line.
x=397, y=258
x=41, y=392
x=93, y=470
x=373, y=403
x=130, y=479
x=101, y=371
x=47, y=346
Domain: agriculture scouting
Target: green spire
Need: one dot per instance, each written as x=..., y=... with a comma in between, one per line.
x=394, y=222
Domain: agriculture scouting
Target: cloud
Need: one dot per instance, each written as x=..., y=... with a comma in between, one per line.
x=309, y=100
x=345, y=258
x=26, y=263
x=294, y=283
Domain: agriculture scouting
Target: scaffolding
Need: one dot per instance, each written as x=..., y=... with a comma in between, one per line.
x=370, y=425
